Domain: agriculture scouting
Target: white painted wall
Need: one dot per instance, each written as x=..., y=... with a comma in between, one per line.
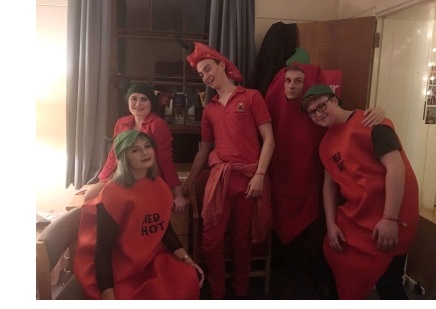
x=403, y=73
x=51, y=34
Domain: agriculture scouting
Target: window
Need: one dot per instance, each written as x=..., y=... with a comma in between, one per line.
x=147, y=48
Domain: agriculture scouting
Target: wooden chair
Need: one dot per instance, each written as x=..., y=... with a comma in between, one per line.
x=261, y=253
x=57, y=238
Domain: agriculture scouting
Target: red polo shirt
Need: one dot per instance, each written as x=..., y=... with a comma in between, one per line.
x=234, y=127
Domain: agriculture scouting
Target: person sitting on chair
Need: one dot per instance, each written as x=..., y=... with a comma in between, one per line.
x=125, y=235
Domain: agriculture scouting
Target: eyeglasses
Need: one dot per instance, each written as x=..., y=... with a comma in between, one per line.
x=321, y=107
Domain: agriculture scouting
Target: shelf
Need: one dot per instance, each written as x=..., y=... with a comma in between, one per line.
x=184, y=129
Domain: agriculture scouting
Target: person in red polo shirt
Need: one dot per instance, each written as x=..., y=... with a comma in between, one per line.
x=143, y=105
x=126, y=247
x=237, y=189
x=369, y=234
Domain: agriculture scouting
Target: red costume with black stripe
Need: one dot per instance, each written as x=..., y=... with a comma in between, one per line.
x=142, y=268
x=347, y=154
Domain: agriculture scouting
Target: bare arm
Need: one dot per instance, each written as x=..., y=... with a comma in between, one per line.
x=199, y=161
x=183, y=256
x=266, y=132
x=255, y=186
x=179, y=201
x=386, y=231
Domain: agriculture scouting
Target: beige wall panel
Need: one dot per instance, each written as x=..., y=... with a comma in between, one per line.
x=356, y=8
x=297, y=9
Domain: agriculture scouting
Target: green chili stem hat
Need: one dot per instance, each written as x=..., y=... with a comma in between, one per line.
x=317, y=90
x=125, y=139
x=300, y=56
x=146, y=90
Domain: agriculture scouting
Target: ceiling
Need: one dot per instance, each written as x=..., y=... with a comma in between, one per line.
x=424, y=12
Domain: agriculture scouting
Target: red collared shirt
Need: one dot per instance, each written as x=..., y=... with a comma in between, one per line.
x=234, y=127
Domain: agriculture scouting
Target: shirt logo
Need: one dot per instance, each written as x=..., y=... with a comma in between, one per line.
x=339, y=162
x=241, y=106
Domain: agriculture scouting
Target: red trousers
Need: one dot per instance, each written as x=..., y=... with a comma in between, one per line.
x=238, y=214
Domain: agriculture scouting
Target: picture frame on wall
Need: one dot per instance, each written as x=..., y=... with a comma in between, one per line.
x=431, y=100
x=430, y=115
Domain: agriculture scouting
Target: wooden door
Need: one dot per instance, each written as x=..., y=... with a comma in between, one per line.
x=346, y=45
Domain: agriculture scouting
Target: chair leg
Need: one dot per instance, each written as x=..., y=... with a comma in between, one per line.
x=267, y=277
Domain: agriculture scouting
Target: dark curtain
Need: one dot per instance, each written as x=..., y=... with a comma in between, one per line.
x=88, y=56
x=277, y=46
x=231, y=32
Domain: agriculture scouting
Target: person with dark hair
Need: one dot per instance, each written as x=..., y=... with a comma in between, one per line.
x=296, y=176
x=370, y=233
x=126, y=247
x=236, y=192
x=143, y=106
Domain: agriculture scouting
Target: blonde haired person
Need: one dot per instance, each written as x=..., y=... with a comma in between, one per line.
x=126, y=247
x=143, y=105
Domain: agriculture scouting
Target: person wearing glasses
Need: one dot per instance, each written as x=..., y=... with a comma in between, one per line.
x=368, y=235
x=296, y=176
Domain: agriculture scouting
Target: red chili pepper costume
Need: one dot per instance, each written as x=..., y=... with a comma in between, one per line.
x=347, y=154
x=142, y=269
x=295, y=170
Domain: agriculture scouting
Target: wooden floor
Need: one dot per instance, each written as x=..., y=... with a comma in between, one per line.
x=283, y=288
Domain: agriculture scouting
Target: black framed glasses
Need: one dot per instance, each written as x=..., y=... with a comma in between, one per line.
x=321, y=107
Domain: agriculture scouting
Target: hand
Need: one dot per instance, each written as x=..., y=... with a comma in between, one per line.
x=386, y=233
x=200, y=272
x=255, y=186
x=373, y=116
x=335, y=236
x=179, y=204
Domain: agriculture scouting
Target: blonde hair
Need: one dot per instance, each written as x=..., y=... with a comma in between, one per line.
x=123, y=175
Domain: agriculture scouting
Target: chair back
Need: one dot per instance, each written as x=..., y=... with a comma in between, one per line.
x=57, y=237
